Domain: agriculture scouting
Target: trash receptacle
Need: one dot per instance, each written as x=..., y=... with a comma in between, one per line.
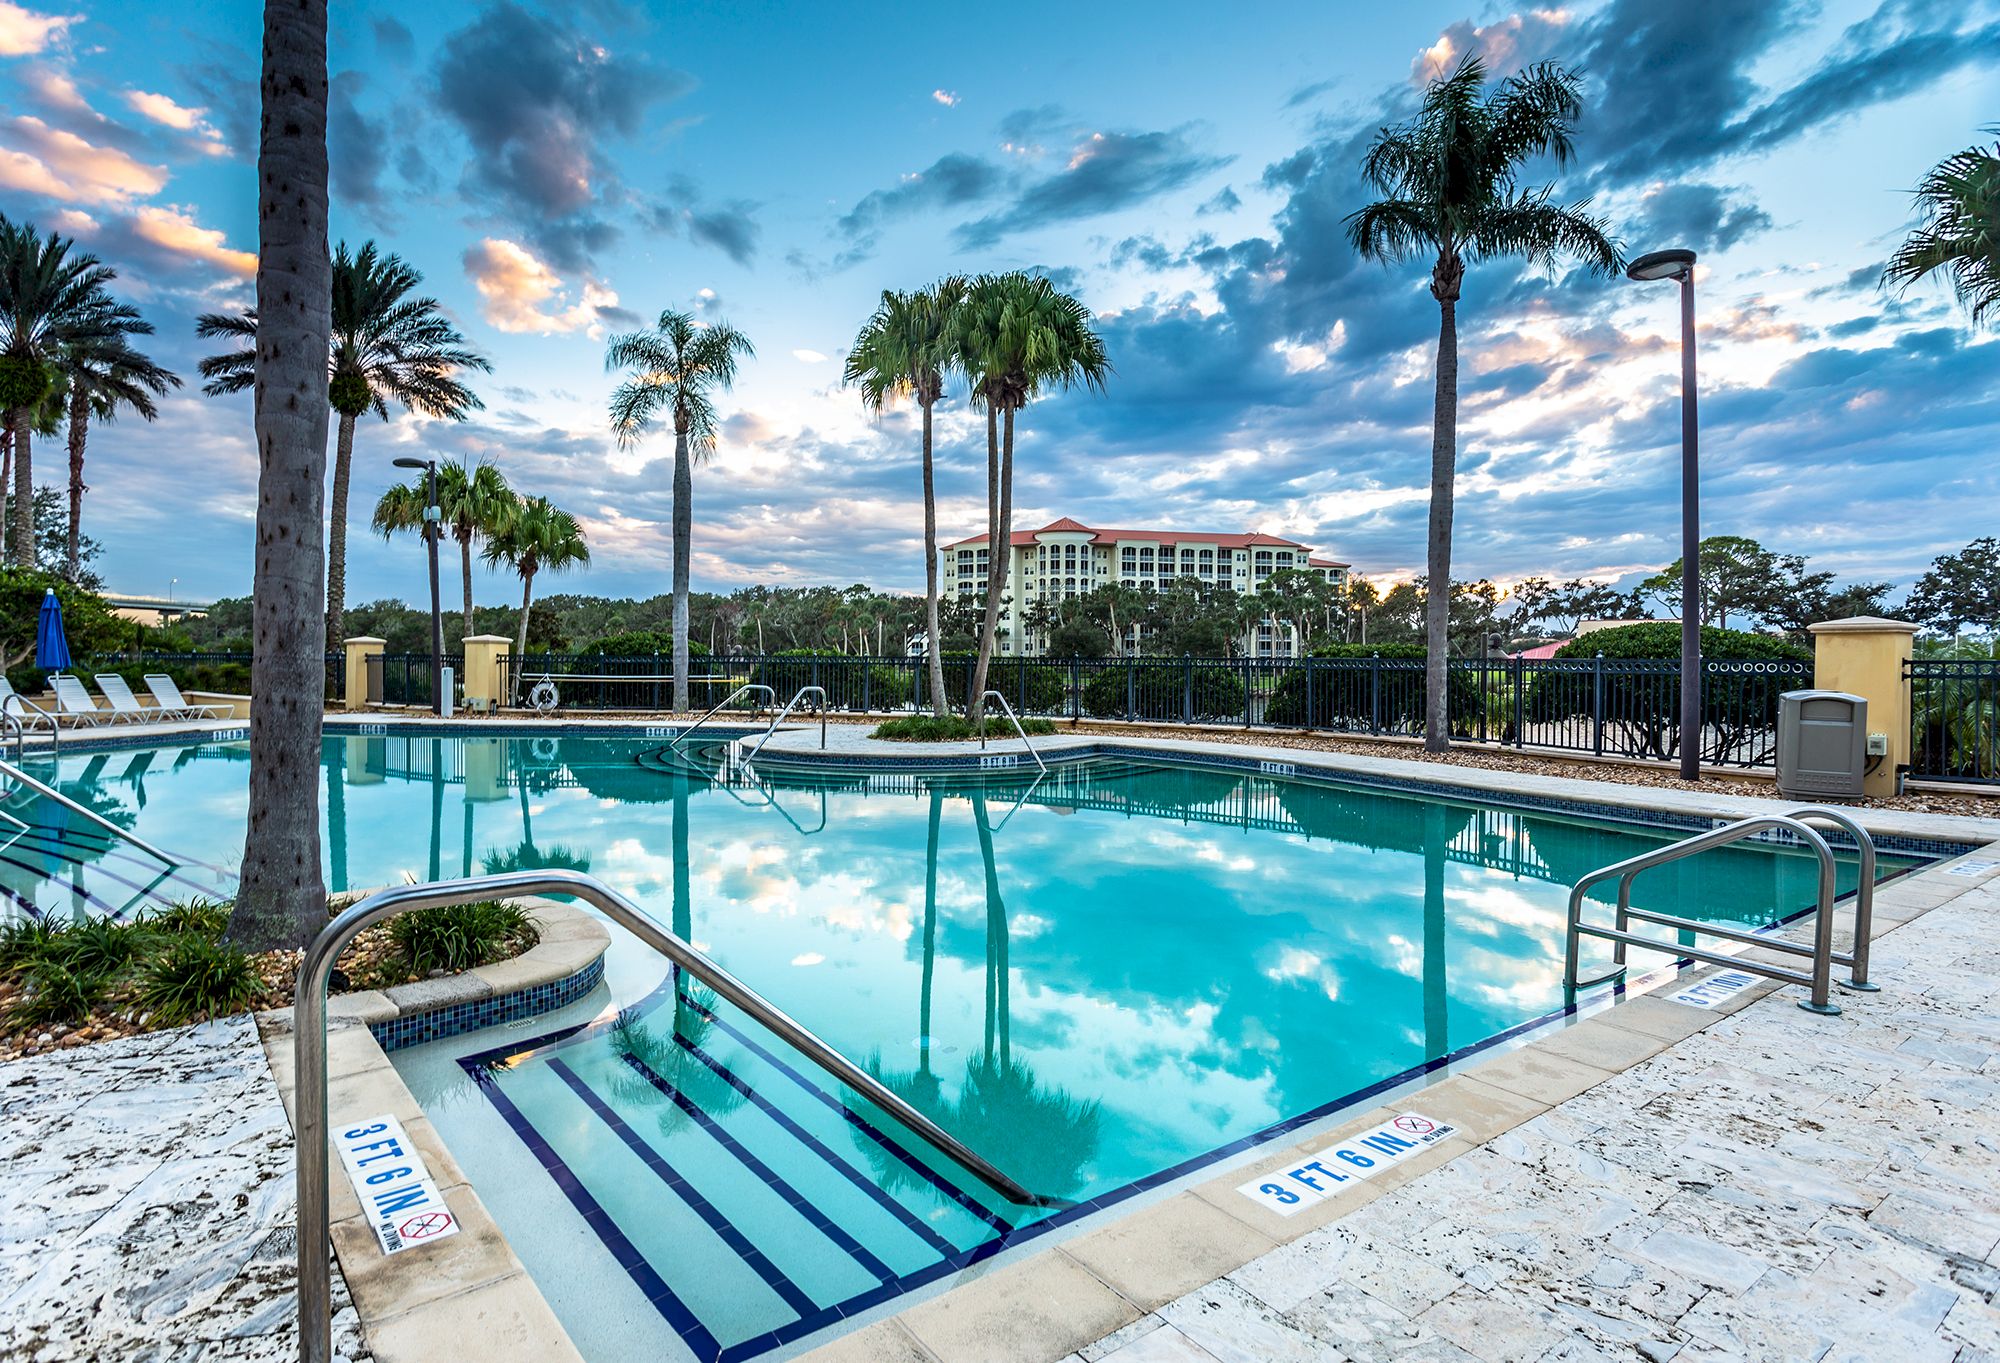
x=1822, y=744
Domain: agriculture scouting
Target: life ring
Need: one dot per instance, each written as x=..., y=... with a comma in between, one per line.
x=544, y=749
x=544, y=697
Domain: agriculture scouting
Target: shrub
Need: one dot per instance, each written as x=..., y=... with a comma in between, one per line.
x=953, y=728
x=99, y=947
x=197, y=977
x=1345, y=695
x=207, y=917
x=641, y=643
x=1160, y=690
x=1662, y=639
x=26, y=941
x=56, y=996
x=1031, y=687
x=457, y=937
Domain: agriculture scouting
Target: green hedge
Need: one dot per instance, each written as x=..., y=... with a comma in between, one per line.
x=1345, y=697
x=1029, y=686
x=1161, y=690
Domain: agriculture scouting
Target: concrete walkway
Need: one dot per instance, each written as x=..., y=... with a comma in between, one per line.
x=147, y=1204
x=1777, y=1186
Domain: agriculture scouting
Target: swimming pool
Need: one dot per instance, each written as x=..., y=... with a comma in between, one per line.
x=1101, y=980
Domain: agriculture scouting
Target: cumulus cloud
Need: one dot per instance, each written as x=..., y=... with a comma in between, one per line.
x=519, y=292
x=1105, y=172
x=36, y=158
x=1704, y=217
x=948, y=98
x=24, y=32
x=175, y=231
x=162, y=109
x=393, y=38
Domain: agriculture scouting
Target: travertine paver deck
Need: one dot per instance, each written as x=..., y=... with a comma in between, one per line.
x=1777, y=1186
x=147, y=1205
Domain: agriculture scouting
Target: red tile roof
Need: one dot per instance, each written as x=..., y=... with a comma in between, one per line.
x=1022, y=539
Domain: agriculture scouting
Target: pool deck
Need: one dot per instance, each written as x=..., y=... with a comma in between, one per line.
x=1653, y=1181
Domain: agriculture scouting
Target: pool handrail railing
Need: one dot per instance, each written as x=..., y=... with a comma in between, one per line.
x=785, y=713
x=1820, y=953
x=689, y=732
x=49, y=792
x=1013, y=719
x=309, y=1046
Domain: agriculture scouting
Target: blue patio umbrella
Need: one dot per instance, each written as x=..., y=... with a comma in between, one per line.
x=51, y=644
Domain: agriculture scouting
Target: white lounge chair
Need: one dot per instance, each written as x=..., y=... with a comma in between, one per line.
x=73, y=701
x=124, y=704
x=31, y=715
x=167, y=695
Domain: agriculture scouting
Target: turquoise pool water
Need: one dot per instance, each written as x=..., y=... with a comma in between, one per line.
x=1096, y=979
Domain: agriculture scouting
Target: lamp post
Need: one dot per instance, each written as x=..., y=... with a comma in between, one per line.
x=1678, y=265
x=433, y=523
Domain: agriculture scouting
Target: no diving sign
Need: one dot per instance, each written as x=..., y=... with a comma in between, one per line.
x=1291, y=1190
x=403, y=1206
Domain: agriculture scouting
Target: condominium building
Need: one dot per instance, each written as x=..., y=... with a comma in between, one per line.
x=1066, y=558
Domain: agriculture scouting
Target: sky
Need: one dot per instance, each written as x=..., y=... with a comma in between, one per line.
x=563, y=172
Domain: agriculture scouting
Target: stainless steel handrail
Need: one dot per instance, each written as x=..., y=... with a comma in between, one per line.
x=1013, y=719
x=751, y=686
x=14, y=773
x=18, y=723
x=782, y=715
x=1864, y=893
x=1821, y=951
x=309, y=1055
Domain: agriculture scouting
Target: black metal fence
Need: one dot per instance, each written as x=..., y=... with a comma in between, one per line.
x=1955, y=719
x=407, y=679
x=1602, y=706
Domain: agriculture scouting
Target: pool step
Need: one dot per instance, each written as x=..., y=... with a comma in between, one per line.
x=752, y=1204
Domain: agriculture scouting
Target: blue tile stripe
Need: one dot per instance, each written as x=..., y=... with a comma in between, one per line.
x=663, y=1298
x=784, y=1188
x=910, y=1221
x=414, y=1029
x=726, y=1230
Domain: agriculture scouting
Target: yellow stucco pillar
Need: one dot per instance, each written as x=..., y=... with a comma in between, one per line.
x=485, y=669
x=355, y=687
x=1865, y=656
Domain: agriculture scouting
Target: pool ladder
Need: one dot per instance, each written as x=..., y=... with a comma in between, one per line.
x=309, y=1055
x=784, y=714
x=1013, y=719
x=1798, y=823
x=720, y=705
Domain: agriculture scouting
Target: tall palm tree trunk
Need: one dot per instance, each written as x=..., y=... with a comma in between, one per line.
x=933, y=650
x=997, y=554
x=6, y=473
x=521, y=630
x=683, y=547
x=1436, y=983
x=79, y=431
x=21, y=528
x=281, y=899
x=336, y=536
x=465, y=573
x=1444, y=458
x=930, y=932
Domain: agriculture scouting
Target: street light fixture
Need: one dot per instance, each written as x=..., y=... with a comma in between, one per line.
x=1678, y=265
x=433, y=527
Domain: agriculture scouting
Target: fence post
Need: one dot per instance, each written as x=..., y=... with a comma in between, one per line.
x=1187, y=688
x=1520, y=703
x=354, y=685
x=867, y=679
x=1374, y=693
x=1869, y=656
x=1131, y=692
x=1075, y=689
x=1310, y=700
x=1485, y=679
x=1246, y=690
x=1597, y=707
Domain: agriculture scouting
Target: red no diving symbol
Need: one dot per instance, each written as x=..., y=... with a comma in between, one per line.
x=425, y=1226
x=1416, y=1126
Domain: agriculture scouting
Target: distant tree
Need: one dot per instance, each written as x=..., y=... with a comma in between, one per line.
x=1958, y=235
x=676, y=368
x=1740, y=580
x=1542, y=607
x=1450, y=181
x=1363, y=599
x=534, y=536
x=87, y=620
x=52, y=541
x=1960, y=589
x=1301, y=599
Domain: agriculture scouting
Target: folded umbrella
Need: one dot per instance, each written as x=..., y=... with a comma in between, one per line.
x=51, y=643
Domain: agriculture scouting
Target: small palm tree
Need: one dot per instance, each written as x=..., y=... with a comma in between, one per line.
x=1959, y=202
x=1017, y=336
x=1449, y=177
x=385, y=345
x=905, y=350
x=534, y=536
x=105, y=374
x=678, y=364
x=51, y=301
x=473, y=500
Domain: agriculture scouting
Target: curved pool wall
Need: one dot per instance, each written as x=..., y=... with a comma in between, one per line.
x=1105, y=979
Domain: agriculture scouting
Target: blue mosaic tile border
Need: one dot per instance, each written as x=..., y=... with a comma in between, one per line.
x=414, y=1029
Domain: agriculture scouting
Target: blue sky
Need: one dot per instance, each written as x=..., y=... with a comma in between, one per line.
x=560, y=172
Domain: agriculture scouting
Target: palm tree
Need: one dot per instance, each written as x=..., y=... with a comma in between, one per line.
x=385, y=344
x=281, y=899
x=105, y=374
x=533, y=536
x=1449, y=176
x=473, y=500
x=50, y=301
x=678, y=363
x=1959, y=201
x=1017, y=336
x=906, y=349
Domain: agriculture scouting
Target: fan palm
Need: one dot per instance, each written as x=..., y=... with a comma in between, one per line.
x=105, y=374
x=1959, y=202
x=281, y=899
x=1017, y=336
x=533, y=536
x=1449, y=177
x=678, y=364
x=905, y=350
x=385, y=344
x=51, y=300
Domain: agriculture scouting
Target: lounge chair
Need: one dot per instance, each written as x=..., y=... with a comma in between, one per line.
x=73, y=701
x=124, y=704
x=167, y=695
x=13, y=702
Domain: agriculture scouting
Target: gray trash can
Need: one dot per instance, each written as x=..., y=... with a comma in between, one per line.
x=1822, y=744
